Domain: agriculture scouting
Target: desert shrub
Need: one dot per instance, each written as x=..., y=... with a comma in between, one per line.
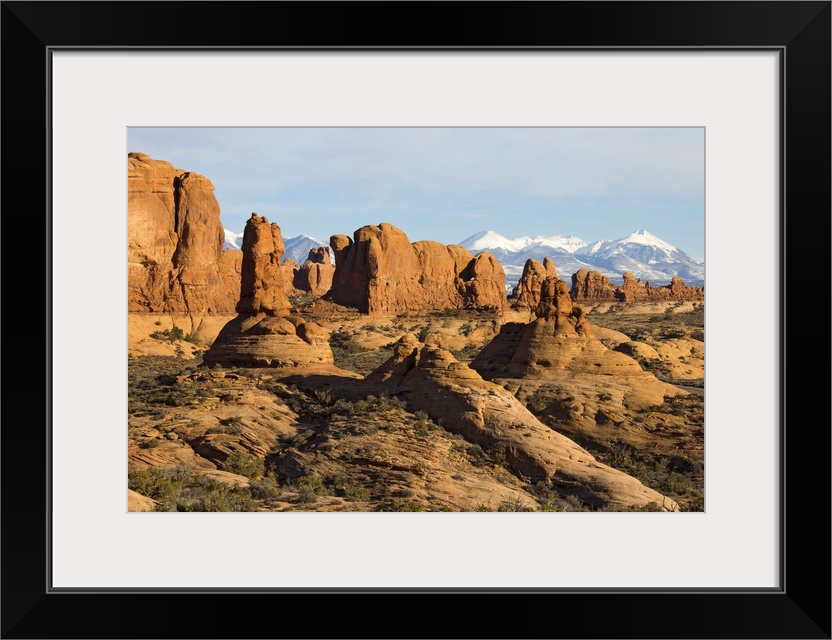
x=265, y=489
x=356, y=493
x=244, y=464
x=180, y=490
x=400, y=504
x=208, y=494
x=172, y=335
x=515, y=503
x=696, y=504
x=309, y=488
x=499, y=455
x=650, y=506
x=297, y=440
x=541, y=491
x=477, y=455
x=154, y=482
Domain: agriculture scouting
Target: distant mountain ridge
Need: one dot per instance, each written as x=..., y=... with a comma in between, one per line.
x=646, y=256
x=641, y=253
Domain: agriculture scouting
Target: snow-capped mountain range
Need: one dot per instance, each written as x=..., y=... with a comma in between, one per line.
x=641, y=253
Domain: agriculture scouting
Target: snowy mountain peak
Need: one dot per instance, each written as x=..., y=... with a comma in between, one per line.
x=489, y=240
x=495, y=242
x=648, y=239
x=232, y=240
x=640, y=253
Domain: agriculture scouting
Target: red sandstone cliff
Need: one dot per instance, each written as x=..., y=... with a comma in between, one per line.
x=380, y=272
x=175, y=237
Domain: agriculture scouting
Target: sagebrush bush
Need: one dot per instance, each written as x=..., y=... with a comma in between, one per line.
x=244, y=464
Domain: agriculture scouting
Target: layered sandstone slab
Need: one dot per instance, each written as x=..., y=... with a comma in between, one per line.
x=175, y=259
x=380, y=272
x=263, y=340
x=430, y=379
x=264, y=334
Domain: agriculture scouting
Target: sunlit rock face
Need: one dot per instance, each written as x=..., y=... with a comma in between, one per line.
x=174, y=242
x=264, y=334
x=379, y=272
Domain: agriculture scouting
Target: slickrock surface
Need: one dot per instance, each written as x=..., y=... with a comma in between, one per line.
x=138, y=502
x=380, y=272
x=175, y=237
x=264, y=334
x=430, y=379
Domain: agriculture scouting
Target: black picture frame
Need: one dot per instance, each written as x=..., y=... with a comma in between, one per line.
x=799, y=31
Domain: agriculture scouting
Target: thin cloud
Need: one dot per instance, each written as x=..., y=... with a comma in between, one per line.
x=591, y=183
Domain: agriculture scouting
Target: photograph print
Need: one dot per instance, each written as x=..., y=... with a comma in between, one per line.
x=416, y=319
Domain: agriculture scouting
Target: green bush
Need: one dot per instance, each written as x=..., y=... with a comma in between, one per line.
x=265, y=489
x=244, y=464
x=309, y=488
x=400, y=504
x=154, y=482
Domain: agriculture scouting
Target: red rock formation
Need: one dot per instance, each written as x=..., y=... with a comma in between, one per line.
x=175, y=237
x=430, y=379
x=315, y=276
x=526, y=294
x=633, y=291
x=558, y=347
x=381, y=272
x=263, y=334
x=592, y=286
x=556, y=306
x=680, y=291
x=290, y=270
x=262, y=288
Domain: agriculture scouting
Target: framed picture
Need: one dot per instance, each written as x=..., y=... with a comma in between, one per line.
x=754, y=75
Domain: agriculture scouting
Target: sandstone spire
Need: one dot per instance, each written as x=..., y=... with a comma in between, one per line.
x=264, y=334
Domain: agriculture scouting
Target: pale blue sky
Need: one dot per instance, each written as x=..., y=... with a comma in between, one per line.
x=446, y=184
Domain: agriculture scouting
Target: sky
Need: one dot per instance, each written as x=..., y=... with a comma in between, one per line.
x=447, y=184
